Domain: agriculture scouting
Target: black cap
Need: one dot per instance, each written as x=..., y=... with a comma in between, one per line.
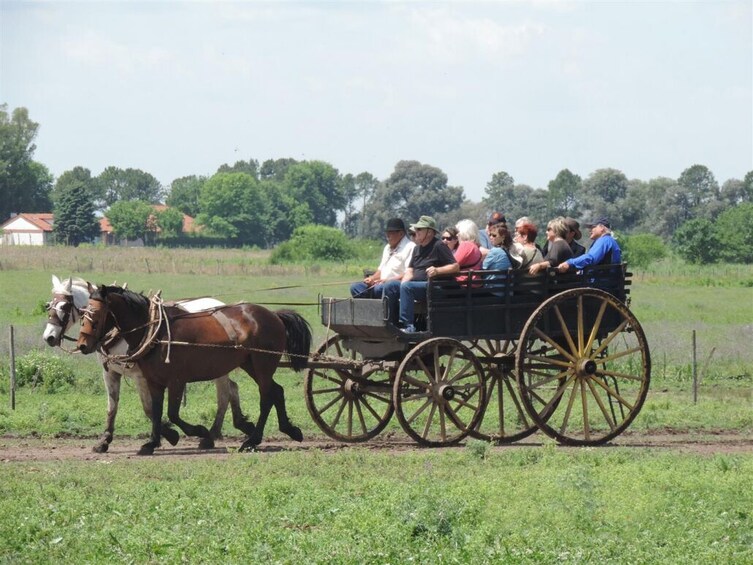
x=395, y=224
x=599, y=222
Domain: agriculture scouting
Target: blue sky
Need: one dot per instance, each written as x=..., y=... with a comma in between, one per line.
x=528, y=87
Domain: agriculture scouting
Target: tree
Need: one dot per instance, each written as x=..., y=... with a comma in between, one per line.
x=564, y=194
x=24, y=184
x=169, y=221
x=735, y=228
x=250, y=167
x=734, y=192
x=701, y=186
x=129, y=219
x=74, y=176
x=233, y=205
x=604, y=193
x=317, y=243
x=498, y=192
x=317, y=185
x=696, y=241
x=412, y=190
x=748, y=187
x=275, y=169
x=75, y=222
x=184, y=194
x=129, y=184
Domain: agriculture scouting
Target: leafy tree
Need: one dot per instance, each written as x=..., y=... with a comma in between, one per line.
x=642, y=249
x=250, y=167
x=696, y=241
x=169, y=221
x=24, y=184
x=499, y=192
x=564, y=194
x=75, y=222
x=357, y=190
x=184, y=194
x=317, y=185
x=129, y=219
x=77, y=175
x=129, y=184
x=314, y=243
x=748, y=187
x=275, y=169
x=735, y=227
x=701, y=186
x=734, y=192
x=604, y=193
x=234, y=205
x=412, y=190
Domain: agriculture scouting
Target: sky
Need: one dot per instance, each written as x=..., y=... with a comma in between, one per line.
x=473, y=88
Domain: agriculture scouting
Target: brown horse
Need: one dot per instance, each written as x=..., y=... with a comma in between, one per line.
x=173, y=347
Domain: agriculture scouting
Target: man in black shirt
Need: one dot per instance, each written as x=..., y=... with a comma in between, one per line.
x=430, y=259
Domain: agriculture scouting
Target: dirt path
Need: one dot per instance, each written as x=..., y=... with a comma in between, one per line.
x=124, y=448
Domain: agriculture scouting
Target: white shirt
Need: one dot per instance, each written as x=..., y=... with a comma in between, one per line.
x=395, y=261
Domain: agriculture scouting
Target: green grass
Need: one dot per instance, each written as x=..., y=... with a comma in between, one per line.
x=524, y=505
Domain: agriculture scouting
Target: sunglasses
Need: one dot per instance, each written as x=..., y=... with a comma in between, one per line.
x=447, y=238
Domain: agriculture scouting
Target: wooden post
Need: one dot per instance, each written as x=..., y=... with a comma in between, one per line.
x=695, y=372
x=12, y=371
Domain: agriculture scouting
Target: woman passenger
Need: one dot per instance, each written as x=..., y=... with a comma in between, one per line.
x=525, y=237
x=559, y=250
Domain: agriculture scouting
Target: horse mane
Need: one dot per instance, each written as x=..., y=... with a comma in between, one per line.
x=132, y=299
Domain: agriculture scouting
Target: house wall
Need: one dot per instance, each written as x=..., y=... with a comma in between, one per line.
x=23, y=238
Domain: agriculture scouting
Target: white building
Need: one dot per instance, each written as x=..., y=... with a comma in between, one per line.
x=27, y=229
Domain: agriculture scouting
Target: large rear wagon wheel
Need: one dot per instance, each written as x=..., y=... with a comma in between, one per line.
x=583, y=356
x=505, y=419
x=439, y=393
x=350, y=403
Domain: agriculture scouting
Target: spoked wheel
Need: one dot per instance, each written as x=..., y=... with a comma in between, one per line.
x=584, y=357
x=439, y=393
x=348, y=403
x=505, y=419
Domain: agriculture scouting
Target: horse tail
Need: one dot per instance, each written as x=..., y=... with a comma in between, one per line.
x=298, y=333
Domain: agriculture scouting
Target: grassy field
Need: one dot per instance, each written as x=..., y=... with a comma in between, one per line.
x=524, y=504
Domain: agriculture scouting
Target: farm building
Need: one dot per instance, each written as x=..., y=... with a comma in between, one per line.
x=36, y=229
x=27, y=229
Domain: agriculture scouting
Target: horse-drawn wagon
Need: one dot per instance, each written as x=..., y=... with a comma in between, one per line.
x=498, y=359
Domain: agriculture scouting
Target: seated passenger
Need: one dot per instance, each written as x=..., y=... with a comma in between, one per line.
x=468, y=252
x=525, y=237
x=395, y=258
x=498, y=258
x=558, y=249
x=430, y=259
x=450, y=238
x=573, y=235
x=603, y=251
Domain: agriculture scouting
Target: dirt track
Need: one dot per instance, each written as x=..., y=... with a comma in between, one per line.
x=125, y=448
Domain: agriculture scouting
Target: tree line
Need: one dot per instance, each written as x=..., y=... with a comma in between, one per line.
x=262, y=203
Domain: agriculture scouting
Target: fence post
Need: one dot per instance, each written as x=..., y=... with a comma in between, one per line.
x=12, y=371
x=695, y=372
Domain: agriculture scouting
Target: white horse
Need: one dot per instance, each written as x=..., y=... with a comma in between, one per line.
x=69, y=299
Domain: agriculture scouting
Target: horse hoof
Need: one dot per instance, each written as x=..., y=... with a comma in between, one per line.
x=248, y=445
x=101, y=448
x=146, y=449
x=206, y=443
x=294, y=432
x=171, y=436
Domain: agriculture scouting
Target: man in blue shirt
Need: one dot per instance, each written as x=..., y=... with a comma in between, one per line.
x=603, y=251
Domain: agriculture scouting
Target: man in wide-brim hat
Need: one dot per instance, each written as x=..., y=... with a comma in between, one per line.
x=430, y=259
x=395, y=257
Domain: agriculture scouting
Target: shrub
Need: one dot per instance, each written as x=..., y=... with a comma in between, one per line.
x=43, y=369
x=314, y=242
x=642, y=249
x=735, y=228
x=696, y=242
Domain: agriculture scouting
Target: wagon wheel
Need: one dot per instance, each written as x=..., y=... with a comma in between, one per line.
x=439, y=393
x=584, y=357
x=505, y=419
x=348, y=403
